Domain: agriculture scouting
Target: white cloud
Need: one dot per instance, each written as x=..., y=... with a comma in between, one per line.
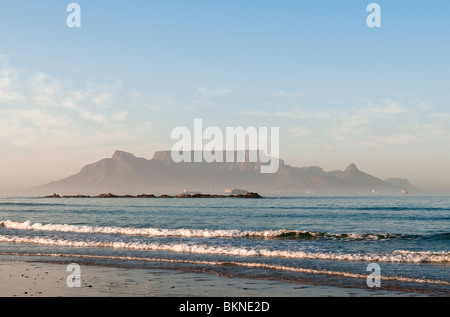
x=41, y=119
x=207, y=91
x=286, y=94
x=93, y=117
x=104, y=96
x=348, y=127
x=382, y=107
x=72, y=100
x=441, y=115
x=399, y=139
x=121, y=116
x=425, y=105
x=299, y=132
x=294, y=114
x=8, y=89
x=102, y=100
x=44, y=89
x=372, y=123
x=32, y=128
x=39, y=112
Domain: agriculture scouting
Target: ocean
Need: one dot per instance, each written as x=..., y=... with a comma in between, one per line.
x=311, y=240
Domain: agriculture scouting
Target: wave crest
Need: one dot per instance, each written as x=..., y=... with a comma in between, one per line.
x=400, y=256
x=197, y=233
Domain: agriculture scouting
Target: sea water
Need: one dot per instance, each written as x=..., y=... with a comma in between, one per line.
x=314, y=240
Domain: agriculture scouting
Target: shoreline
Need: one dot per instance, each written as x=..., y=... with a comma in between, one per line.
x=42, y=279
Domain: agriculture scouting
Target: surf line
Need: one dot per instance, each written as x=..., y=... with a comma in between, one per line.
x=235, y=263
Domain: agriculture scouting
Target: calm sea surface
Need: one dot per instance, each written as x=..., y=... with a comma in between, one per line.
x=319, y=240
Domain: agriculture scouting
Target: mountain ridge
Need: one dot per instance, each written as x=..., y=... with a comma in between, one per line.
x=124, y=173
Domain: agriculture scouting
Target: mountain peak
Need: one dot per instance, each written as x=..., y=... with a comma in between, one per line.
x=351, y=168
x=121, y=155
x=125, y=173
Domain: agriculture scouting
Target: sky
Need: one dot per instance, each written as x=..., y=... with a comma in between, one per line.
x=339, y=91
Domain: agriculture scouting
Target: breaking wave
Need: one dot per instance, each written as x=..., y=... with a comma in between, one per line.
x=234, y=263
x=400, y=256
x=198, y=233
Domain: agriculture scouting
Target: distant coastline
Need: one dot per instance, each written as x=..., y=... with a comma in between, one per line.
x=126, y=174
x=197, y=196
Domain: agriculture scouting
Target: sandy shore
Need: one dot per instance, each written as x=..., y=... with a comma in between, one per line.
x=28, y=279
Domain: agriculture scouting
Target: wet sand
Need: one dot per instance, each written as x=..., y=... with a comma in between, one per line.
x=29, y=279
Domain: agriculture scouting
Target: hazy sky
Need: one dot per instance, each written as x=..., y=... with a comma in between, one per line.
x=340, y=92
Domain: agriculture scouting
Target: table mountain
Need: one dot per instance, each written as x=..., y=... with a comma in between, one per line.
x=125, y=173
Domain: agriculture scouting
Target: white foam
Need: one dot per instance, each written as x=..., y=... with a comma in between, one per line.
x=188, y=233
x=400, y=256
x=150, y=232
x=242, y=264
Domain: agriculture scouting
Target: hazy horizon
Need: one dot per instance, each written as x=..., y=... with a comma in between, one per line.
x=339, y=91
x=12, y=190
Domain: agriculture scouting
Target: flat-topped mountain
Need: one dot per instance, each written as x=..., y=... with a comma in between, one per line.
x=125, y=173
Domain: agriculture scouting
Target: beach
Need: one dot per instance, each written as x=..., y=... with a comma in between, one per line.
x=291, y=247
x=36, y=279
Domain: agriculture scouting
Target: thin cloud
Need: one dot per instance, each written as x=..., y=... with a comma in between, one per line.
x=214, y=92
x=39, y=111
x=8, y=89
x=299, y=132
x=382, y=107
x=372, y=123
x=294, y=114
x=286, y=94
x=400, y=139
